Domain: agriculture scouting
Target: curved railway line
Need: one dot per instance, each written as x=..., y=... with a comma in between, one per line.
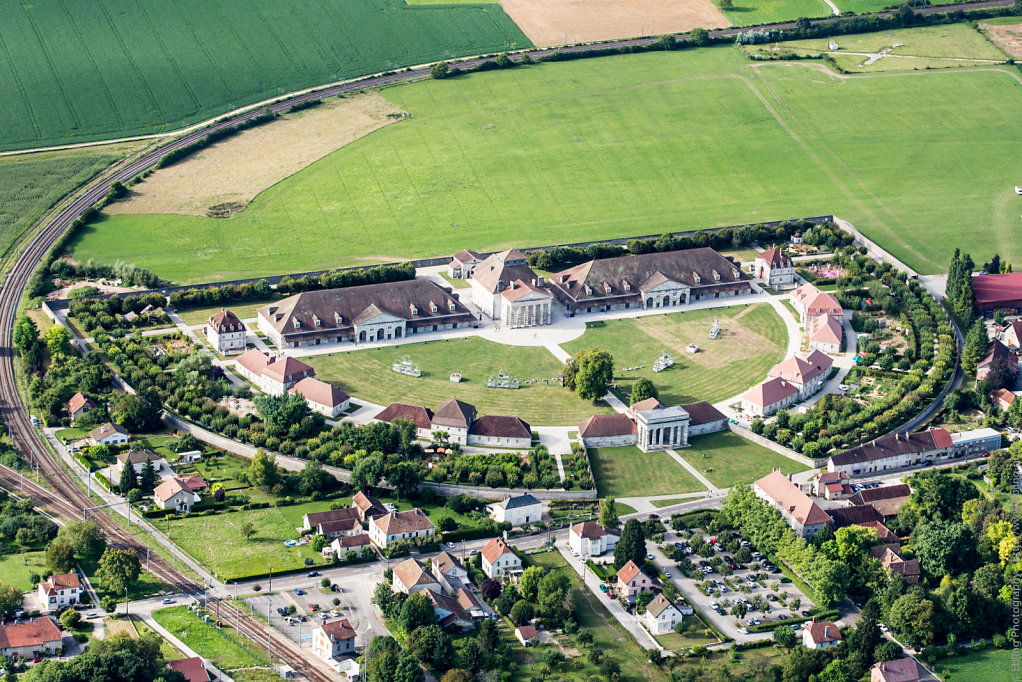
x=66, y=499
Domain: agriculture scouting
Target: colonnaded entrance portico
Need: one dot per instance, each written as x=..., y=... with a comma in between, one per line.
x=662, y=428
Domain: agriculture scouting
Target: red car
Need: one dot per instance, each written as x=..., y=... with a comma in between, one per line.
x=313, y=607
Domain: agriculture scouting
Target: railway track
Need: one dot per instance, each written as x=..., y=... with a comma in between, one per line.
x=66, y=499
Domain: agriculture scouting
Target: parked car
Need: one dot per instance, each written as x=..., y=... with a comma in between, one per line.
x=450, y=545
x=654, y=515
x=168, y=600
x=782, y=617
x=649, y=556
x=281, y=612
x=805, y=612
x=299, y=591
x=312, y=574
x=312, y=607
x=603, y=588
x=91, y=614
x=667, y=573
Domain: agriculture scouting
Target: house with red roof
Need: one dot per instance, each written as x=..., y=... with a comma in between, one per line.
x=588, y=539
x=631, y=581
x=60, y=591
x=799, y=510
x=79, y=405
x=176, y=494
x=31, y=638
x=324, y=398
x=334, y=639
x=810, y=302
x=825, y=333
x=273, y=374
x=833, y=485
x=225, y=332
x=499, y=559
x=805, y=371
x=997, y=292
x=820, y=635
x=774, y=267
x=899, y=670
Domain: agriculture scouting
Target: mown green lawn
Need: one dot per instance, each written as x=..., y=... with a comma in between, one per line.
x=114, y=68
x=15, y=568
x=989, y=665
x=733, y=460
x=630, y=472
x=244, y=311
x=367, y=374
x=752, y=339
x=222, y=646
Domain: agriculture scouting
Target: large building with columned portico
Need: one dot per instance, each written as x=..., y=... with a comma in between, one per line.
x=651, y=425
x=505, y=288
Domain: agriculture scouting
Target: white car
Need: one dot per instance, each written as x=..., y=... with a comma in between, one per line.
x=667, y=573
x=91, y=614
x=335, y=614
x=450, y=545
x=843, y=387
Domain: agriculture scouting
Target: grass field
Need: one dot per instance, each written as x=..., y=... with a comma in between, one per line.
x=222, y=646
x=937, y=47
x=989, y=665
x=626, y=145
x=31, y=184
x=630, y=472
x=15, y=569
x=367, y=374
x=244, y=311
x=734, y=459
x=749, y=12
x=115, y=68
x=752, y=340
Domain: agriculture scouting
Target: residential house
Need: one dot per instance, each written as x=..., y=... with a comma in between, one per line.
x=363, y=314
x=334, y=639
x=589, y=539
x=225, y=332
x=399, y=525
x=890, y=558
x=804, y=516
x=765, y=398
x=359, y=544
x=810, y=302
x=324, y=398
x=31, y=638
x=411, y=576
x=138, y=458
x=471, y=605
x=499, y=560
x=109, y=434
x=192, y=668
x=421, y=416
x=999, y=366
x=661, y=616
x=450, y=573
x=273, y=374
x=448, y=612
x=631, y=581
x=79, y=405
x=60, y=591
x=899, y=670
x=833, y=485
x=367, y=506
x=820, y=635
x=462, y=264
x=1010, y=335
x=313, y=521
x=1002, y=398
x=505, y=288
x=805, y=371
x=887, y=499
x=454, y=417
x=516, y=510
x=825, y=333
x=174, y=493
x=650, y=280
x=526, y=635
x=500, y=430
x=774, y=267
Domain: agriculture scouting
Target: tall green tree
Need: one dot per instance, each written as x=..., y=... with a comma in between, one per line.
x=262, y=470
x=976, y=343
x=85, y=537
x=589, y=373
x=129, y=480
x=608, y=513
x=284, y=410
x=60, y=556
x=631, y=546
x=58, y=340
x=417, y=612
x=118, y=568
x=147, y=479
x=643, y=389
x=405, y=478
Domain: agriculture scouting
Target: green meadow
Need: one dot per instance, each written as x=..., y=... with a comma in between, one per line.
x=627, y=145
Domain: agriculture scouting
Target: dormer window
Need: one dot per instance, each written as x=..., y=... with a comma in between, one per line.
x=316, y=321
x=451, y=306
x=606, y=288
x=415, y=311
x=433, y=307
x=297, y=324
x=628, y=287
x=338, y=319
x=716, y=276
x=589, y=290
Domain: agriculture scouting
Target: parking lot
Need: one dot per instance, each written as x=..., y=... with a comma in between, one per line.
x=726, y=591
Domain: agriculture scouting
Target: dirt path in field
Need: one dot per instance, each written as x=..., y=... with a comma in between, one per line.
x=1008, y=38
x=559, y=22
x=231, y=173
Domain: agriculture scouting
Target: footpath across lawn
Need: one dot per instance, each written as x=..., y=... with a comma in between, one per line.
x=727, y=459
x=630, y=472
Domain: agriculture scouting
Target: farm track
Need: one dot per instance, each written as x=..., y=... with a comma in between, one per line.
x=66, y=499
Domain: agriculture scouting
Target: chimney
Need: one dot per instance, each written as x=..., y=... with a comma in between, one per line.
x=533, y=281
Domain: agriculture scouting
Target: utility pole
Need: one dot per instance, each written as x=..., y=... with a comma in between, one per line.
x=147, y=559
x=237, y=609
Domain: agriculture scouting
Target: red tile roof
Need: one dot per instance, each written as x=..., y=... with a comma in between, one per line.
x=627, y=572
x=422, y=416
x=607, y=425
x=658, y=605
x=788, y=497
x=283, y=368
x=411, y=572
x=403, y=522
x=997, y=288
x=32, y=633
x=775, y=257
x=703, y=413
x=77, y=402
x=366, y=503
x=225, y=321
x=499, y=426
x=802, y=368
x=495, y=549
x=590, y=530
x=320, y=392
x=455, y=413
x=65, y=581
x=823, y=632
x=192, y=668
x=338, y=629
x=769, y=392
x=899, y=670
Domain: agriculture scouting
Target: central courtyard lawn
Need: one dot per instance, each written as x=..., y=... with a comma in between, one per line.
x=752, y=339
x=367, y=374
x=625, y=145
x=630, y=472
x=222, y=646
x=733, y=459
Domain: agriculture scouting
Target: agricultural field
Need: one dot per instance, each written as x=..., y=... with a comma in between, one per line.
x=30, y=184
x=367, y=374
x=752, y=339
x=1005, y=32
x=751, y=12
x=733, y=460
x=112, y=68
x=630, y=472
x=628, y=145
